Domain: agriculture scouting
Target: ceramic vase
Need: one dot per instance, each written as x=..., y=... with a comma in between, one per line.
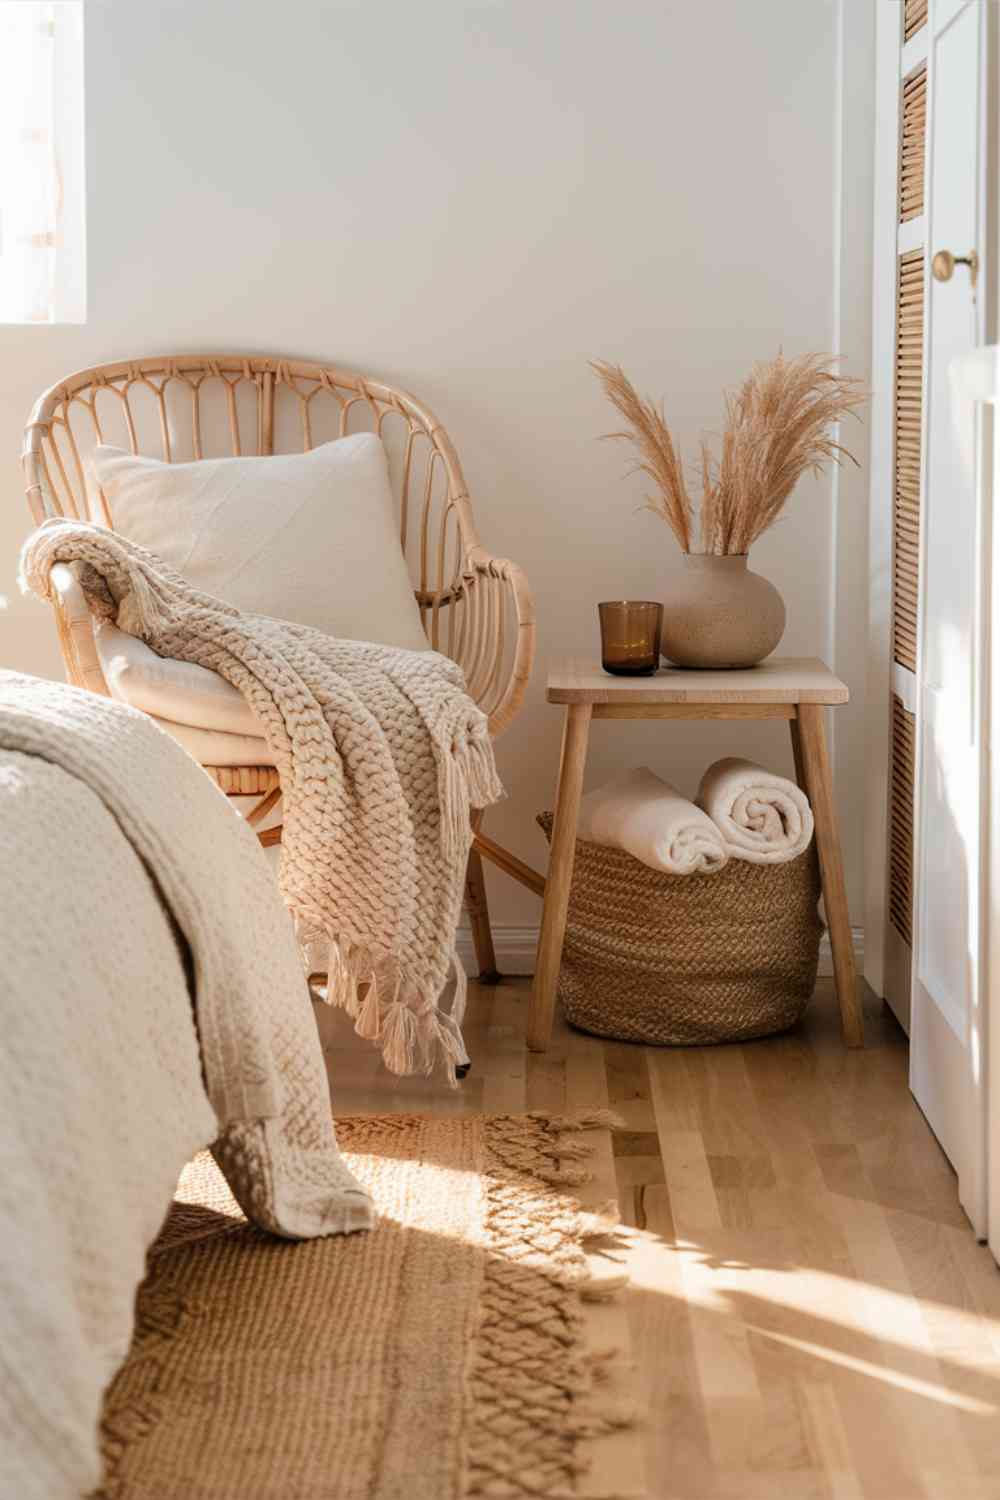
x=717, y=614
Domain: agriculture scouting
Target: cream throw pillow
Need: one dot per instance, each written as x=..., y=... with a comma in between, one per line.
x=308, y=537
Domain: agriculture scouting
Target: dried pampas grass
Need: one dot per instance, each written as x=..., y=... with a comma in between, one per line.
x=778, y=428
x=657, y=456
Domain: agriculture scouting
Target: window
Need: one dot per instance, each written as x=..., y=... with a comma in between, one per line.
x=43, y=274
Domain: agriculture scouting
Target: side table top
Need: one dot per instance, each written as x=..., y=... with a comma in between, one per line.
x=780, y=679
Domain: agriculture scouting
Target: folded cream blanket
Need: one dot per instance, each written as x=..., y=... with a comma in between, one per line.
x=763, y=818
x=381, y=755
x=643, y=814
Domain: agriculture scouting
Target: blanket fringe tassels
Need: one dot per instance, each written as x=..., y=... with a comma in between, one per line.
x=412, y=1038
x=467, y=778
x=369, y=1021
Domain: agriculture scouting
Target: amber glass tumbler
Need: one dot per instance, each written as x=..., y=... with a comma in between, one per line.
x=630, y=636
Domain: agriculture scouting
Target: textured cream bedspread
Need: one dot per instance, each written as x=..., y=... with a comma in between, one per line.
x=111, y=836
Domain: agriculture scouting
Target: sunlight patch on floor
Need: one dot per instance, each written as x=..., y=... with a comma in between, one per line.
x=858, y=1366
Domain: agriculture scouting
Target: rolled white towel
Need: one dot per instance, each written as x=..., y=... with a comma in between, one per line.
x=763, y=818
x=646, y=816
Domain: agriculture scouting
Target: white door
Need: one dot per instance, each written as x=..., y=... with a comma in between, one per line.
x=948, y=1035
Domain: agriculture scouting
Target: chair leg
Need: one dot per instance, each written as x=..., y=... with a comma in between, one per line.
x=479, y=913
x=261, y=809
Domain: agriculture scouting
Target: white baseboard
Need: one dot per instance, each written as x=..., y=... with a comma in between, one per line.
x=515, y=949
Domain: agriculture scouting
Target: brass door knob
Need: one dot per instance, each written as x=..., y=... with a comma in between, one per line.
x=944, y=263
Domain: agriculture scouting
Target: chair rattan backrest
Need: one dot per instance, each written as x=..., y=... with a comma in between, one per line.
x=195, y=406
x=182, y=407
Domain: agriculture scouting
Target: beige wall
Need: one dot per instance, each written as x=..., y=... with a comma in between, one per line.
x=472, y=201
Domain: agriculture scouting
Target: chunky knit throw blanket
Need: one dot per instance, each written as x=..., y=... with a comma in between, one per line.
x=381, y=755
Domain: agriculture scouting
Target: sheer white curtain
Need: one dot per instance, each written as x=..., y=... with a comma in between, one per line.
x=42, y=240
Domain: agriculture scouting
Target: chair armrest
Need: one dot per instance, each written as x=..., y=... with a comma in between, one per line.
x=76, y=631
x=496, y=638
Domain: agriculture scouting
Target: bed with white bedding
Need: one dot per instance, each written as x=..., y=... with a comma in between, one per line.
x=151, y=1004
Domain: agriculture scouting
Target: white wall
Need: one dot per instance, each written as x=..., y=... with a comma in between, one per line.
x=472, y=200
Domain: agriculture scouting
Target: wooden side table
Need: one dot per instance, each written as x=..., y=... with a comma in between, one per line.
x=795, y=689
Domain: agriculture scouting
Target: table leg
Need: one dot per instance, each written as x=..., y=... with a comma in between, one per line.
x=800, y=770
x=816, y=765
x=576, y=733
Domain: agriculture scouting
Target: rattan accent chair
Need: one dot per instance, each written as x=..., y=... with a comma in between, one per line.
x=475, y=608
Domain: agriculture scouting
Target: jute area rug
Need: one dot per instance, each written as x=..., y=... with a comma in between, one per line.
x=438, y=1356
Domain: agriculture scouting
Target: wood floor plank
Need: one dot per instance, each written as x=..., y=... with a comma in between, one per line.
x=891, y=1337
x=693, y=1201
x=616, y=1460
x=677, y=1441
x=809, y=1316
x=502, y=1063
x=628, y=1084
x=828, y=1441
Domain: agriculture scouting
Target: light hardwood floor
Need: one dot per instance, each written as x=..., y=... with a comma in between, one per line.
x=810, y=1315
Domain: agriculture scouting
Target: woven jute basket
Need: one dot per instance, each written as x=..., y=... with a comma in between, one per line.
x=684, y=960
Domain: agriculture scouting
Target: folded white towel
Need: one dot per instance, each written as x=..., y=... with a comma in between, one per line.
x=646, y=816
x=763, y=818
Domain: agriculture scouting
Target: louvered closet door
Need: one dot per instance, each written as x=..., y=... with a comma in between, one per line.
x=901, y=790
x=914, y=17
x=913, y=146
x=907, y=426
x=907, y=461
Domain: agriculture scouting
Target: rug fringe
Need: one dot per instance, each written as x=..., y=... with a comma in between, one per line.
x=554, y=1159
x=601, y=1362
x=566, y=1176
x=599, y=1223
x=564, y=1494
x=604, y=1288
x=563, y=1150
x=573, y=1150
x=582, y=1119
x=610, y=1417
